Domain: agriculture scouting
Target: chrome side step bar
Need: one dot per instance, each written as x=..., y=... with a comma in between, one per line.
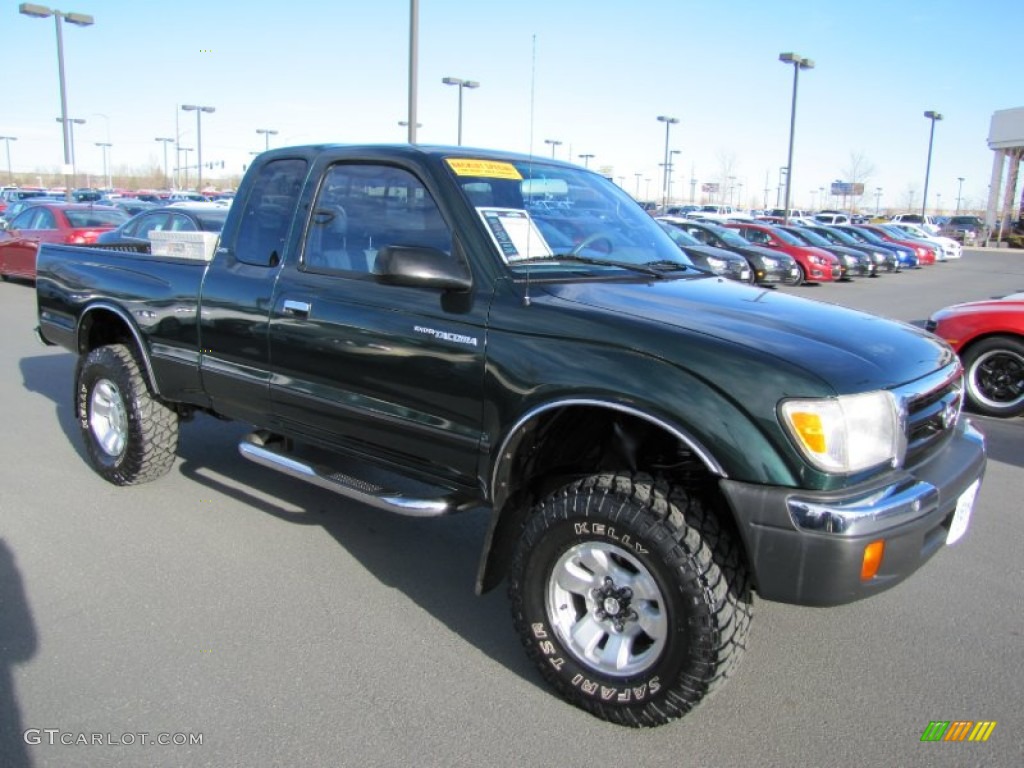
x=257, y=449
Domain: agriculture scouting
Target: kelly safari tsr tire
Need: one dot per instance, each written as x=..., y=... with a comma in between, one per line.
x=994, y=376
x=130, y=436
x=630, y=597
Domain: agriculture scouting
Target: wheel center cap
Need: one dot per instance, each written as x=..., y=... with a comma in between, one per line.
x=612, y=606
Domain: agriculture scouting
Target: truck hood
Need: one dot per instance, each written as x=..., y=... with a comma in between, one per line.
x=849, y=351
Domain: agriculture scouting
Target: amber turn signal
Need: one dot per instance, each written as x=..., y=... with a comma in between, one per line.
x=873, y=554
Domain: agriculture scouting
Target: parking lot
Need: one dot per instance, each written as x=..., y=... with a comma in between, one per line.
x=282, y=625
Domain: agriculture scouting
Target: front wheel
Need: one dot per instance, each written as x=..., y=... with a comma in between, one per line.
x=630, y=597
x=130, y=436
x=995, y=376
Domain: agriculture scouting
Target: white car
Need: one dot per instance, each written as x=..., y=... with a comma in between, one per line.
x=950, y=248
x=926, y=223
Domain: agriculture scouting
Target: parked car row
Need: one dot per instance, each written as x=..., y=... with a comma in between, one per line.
x=803, y=252
x=48, y=221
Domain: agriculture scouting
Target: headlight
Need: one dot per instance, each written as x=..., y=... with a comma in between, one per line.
x=846, y=434
x=817, y=260
x=770, y=263
x=716, y=264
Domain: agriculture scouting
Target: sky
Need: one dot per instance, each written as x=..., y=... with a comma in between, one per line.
x=591, y=74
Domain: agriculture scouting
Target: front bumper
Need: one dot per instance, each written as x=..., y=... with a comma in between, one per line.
x=807, y=547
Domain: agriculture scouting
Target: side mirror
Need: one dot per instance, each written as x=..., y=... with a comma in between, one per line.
x=415, y=265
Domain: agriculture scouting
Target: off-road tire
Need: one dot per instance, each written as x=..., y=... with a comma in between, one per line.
x=665, y=542
x=994, y=374
x=130, y=436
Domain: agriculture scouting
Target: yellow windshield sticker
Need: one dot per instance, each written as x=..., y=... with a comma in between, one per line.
x=490, y=169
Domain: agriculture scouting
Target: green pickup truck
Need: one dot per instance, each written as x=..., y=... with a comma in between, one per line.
x=427, y=330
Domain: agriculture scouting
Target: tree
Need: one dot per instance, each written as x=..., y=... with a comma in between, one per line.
x=859, y=171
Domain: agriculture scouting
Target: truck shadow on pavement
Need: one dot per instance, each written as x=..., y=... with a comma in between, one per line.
x=53, y=376
x=18, y=644
x=1004, y=438
x=432, y=561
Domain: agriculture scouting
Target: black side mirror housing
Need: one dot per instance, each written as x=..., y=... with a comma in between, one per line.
x=415, y=265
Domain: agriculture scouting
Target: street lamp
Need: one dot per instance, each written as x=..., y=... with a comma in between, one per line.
x=166, y=141
x=669, y=122
x=105, y=145
x=267, y=133
x=8, y=140
x=959, y=188
x=199, y=139
x=70, y=122
x=878, y=199
x=638, y=175
x=186, y=150
x=554, y=143
x=81, y=20
x=671, y=167
x=586, y=159
x=933, y=116
x=798, y=62
x=462, y=84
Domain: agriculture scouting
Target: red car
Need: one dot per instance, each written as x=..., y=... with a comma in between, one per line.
x=989, y=337
x=71, y=223
x=926, y=252
x=816, y=265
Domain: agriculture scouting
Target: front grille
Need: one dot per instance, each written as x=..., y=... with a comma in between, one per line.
x=932, y=407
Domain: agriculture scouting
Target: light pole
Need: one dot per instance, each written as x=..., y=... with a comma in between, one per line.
x=669, y=122
x=186, y=150
x=933, y=116
x=8, y=140
x=81, y=20
x=878, y=199
x=638, y=175
x=798, y=62
x=462, y=84
x=105, y=145
x=586, y=159
x=959, y=188
x=554, y=143
x=671, y=167
x=165, y=141
x=267, y=133
x=69, y=123
x=783, y=172
x=199, y=140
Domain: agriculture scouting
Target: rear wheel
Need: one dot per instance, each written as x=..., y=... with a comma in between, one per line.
x=130, y=436
x=630, y=597
x=995, y=376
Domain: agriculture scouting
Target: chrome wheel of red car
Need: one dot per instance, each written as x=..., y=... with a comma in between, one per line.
x=995, y=376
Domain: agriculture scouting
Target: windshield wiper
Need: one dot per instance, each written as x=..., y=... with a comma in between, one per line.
x=667, y=265
x=573, y=257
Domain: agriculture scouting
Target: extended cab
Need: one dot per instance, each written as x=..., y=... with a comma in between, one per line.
x=434, y=329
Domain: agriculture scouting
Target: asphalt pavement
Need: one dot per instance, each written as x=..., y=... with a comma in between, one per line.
x=280, y=625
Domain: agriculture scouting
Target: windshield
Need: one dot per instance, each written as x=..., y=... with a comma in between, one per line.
x=730, y=237
x=96, y=217
x=972, y=221
x=787, y=237
x=865, y=236
x=555, y=216
x=809, y=237
x=679, y=237
x=835, y=236
x=212, y=222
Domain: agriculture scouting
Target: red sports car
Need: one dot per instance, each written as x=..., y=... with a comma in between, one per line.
x=989, y=337
x=72, y=223
x=816, y=265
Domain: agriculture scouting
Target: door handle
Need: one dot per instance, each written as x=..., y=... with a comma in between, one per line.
x=297, y=308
